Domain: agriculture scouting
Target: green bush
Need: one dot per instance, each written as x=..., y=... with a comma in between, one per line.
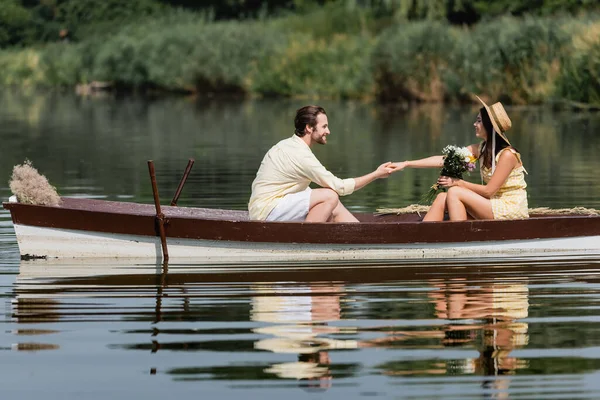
x=308, y=67
x=517, y=60
x=331, y=19
x=411, y=60
x=580, y=78
x=20, y=68
x=85, y=18
x=14, y=22
x=193, y=57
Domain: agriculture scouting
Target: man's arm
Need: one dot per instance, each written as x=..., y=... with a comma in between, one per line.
x=383, y=171
x=316, y=172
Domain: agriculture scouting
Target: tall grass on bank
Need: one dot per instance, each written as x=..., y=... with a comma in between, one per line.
x=514, y=59
x=580, y=78
x=525, y=60
x=337, y=67
x=411, y=59
x=517, y=60
x=216, y=57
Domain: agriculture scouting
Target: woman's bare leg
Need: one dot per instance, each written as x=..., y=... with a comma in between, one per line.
x=437, y=209
x=461, y=201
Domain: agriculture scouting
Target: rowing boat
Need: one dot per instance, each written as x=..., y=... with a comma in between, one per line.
x=91, y=228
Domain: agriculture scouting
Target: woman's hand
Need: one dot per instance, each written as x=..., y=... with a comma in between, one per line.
x=399, y=166
x=447, y=182
x=384, y=170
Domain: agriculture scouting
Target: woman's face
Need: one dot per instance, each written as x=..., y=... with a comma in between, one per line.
x=480, y=131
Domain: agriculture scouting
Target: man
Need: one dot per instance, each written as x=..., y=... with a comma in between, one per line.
x=280, y=191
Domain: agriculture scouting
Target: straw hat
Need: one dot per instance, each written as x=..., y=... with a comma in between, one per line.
x=499, y=118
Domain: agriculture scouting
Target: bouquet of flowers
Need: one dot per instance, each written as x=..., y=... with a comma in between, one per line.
x=457, y=161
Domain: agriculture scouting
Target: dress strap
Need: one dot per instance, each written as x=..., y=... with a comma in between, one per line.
x=516, y=153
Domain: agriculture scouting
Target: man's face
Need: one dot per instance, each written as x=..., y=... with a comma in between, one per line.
x=319, y=133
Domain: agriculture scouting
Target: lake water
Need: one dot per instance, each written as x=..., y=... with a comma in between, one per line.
x=414, y=331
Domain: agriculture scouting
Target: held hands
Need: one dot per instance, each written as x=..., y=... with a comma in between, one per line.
x=399, y=166
x=385, y=170
x=447, y=182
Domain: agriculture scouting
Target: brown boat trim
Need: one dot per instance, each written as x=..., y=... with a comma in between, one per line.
x=226, y=225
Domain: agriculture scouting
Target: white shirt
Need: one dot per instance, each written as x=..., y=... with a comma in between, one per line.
x=289, y=167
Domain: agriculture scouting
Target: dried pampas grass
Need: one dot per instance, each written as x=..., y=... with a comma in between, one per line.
x=32, y=188
x=412, y=209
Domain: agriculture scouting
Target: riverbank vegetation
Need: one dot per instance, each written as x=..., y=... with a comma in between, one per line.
x=394, y=50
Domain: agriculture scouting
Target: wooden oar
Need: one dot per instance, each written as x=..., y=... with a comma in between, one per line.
x=160, y=217
x=182, y=182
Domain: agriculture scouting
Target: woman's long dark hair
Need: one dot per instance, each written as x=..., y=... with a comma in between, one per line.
x=486, y=153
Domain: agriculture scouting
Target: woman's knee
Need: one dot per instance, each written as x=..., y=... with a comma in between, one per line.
x=455, y=192
x=441, y=197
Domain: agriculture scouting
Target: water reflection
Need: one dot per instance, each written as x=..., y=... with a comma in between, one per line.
x=317, y=329
x=486, y=316
x=299, y=320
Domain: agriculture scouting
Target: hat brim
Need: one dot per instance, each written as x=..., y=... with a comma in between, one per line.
x=494, y=123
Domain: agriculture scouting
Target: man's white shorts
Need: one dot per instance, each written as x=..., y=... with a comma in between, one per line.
x=292, y=207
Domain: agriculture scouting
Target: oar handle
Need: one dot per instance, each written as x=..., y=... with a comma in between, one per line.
x=160, y=217
x=182, y=182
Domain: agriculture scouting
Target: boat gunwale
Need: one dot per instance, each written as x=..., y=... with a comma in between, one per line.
x=141, y=221
x=171, y=212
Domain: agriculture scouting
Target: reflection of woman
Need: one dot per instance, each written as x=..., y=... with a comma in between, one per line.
x=495, y=310
x=503, y=196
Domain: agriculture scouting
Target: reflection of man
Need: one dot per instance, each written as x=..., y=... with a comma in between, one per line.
x=280, y=191
x=298, y=323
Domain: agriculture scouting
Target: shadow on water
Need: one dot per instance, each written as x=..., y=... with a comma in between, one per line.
x=311, y=328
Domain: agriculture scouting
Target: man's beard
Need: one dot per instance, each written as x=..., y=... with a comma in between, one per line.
x=322, y=140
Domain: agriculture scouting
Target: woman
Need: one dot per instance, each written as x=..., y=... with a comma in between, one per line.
x=503, y=196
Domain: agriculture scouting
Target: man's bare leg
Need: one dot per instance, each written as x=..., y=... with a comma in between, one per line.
x=322, y=204
x=341, y=214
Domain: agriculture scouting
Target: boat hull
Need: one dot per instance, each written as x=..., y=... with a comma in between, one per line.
x=44, y=242
x=86, y=228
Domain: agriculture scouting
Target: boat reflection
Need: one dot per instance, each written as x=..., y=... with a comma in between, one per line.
x=310, y=327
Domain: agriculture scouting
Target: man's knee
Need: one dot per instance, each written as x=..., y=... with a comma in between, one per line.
x=328, y=196
x=332, y=196
x=324, y=196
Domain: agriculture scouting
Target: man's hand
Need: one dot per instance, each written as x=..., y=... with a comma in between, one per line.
x=384, y=170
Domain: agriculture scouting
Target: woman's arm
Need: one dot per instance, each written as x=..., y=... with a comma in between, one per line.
x=507, y=162
x=430, y=162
